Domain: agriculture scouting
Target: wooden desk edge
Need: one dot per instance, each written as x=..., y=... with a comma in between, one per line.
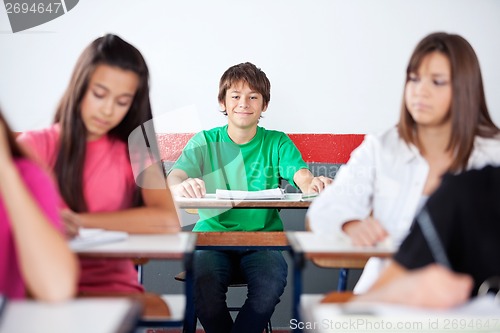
x=243, y=238
x=294, y=243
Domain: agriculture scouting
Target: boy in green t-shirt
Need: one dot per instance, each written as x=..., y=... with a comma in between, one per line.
x=240, y=156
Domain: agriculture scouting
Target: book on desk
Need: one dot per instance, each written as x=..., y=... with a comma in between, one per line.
x=271, y=194
x=89, y=237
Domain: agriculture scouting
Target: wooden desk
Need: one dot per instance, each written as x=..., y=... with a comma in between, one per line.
x=314, y=246
x=241, y=240
x=178, y=246
x=308, y=245
x=76, y=316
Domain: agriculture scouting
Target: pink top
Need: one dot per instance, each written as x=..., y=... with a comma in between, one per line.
x=108, y=185
x=45, y=193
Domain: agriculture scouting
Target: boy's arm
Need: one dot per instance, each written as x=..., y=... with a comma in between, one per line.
x=307, y=183
x=183, y=186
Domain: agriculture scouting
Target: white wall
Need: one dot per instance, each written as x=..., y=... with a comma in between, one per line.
x=336, y=66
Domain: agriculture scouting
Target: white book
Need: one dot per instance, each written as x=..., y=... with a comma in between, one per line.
x=274, y=194
x=88, y=237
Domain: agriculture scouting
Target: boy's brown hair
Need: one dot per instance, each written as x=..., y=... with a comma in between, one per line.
x=249, y=73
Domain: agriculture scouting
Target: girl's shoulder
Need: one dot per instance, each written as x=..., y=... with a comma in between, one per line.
x=41, y=145
x=389, y=144
x=490, y=142
x=387, y=139
x=48, y=135
x=485, y=151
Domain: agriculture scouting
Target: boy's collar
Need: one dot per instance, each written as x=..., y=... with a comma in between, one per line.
x=258, y=130
x=244, y=138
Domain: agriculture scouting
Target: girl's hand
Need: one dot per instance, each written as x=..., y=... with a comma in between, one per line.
x=72, y=222
x=367, y=232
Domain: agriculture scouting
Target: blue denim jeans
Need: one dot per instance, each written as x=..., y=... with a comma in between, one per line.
x=265, y=273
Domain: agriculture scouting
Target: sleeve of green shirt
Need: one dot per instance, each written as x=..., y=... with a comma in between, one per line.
x=290, y=160
x=192, y=157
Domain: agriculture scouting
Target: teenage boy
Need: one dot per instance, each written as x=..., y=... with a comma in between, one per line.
x=240, y=156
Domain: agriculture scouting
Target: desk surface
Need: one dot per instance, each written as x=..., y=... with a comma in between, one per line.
x=315, y=246
x=77, y=316
x=156, y=246
x=478, y=315
x=211, y=202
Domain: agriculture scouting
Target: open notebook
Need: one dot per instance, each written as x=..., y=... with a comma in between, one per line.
x=90, y=237
x=276, y=193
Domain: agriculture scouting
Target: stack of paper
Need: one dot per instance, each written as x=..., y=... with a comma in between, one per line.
x=276, y=193
x=309, y=196
x=89, y=237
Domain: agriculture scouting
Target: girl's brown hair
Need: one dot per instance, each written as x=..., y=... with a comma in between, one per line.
x=15, y=151
x=468, y=111
x=107, y=50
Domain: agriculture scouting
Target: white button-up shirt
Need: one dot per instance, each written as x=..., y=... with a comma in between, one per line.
x=384, y=177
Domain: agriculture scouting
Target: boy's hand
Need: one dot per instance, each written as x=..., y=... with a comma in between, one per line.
x=307, y=183
x=367, y=232
x=190, y=188
x=318, y=184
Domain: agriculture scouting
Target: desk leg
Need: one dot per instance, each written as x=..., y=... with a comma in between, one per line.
x=342, y=284
x=298, y=266
x=189, y=314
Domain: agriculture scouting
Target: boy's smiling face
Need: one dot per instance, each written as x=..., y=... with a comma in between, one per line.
x=243, y=105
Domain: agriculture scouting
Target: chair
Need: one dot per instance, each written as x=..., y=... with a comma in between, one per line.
x=154, y=306
x=337, y=297
x=234, y=284
x=138, y=263
x=343, y=265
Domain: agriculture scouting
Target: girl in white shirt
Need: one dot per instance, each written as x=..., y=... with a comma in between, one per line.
x=444, y=127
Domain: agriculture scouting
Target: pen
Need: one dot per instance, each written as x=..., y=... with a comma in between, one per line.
x=430, y=234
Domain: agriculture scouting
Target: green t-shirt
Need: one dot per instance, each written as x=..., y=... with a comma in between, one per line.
x=257, y=165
